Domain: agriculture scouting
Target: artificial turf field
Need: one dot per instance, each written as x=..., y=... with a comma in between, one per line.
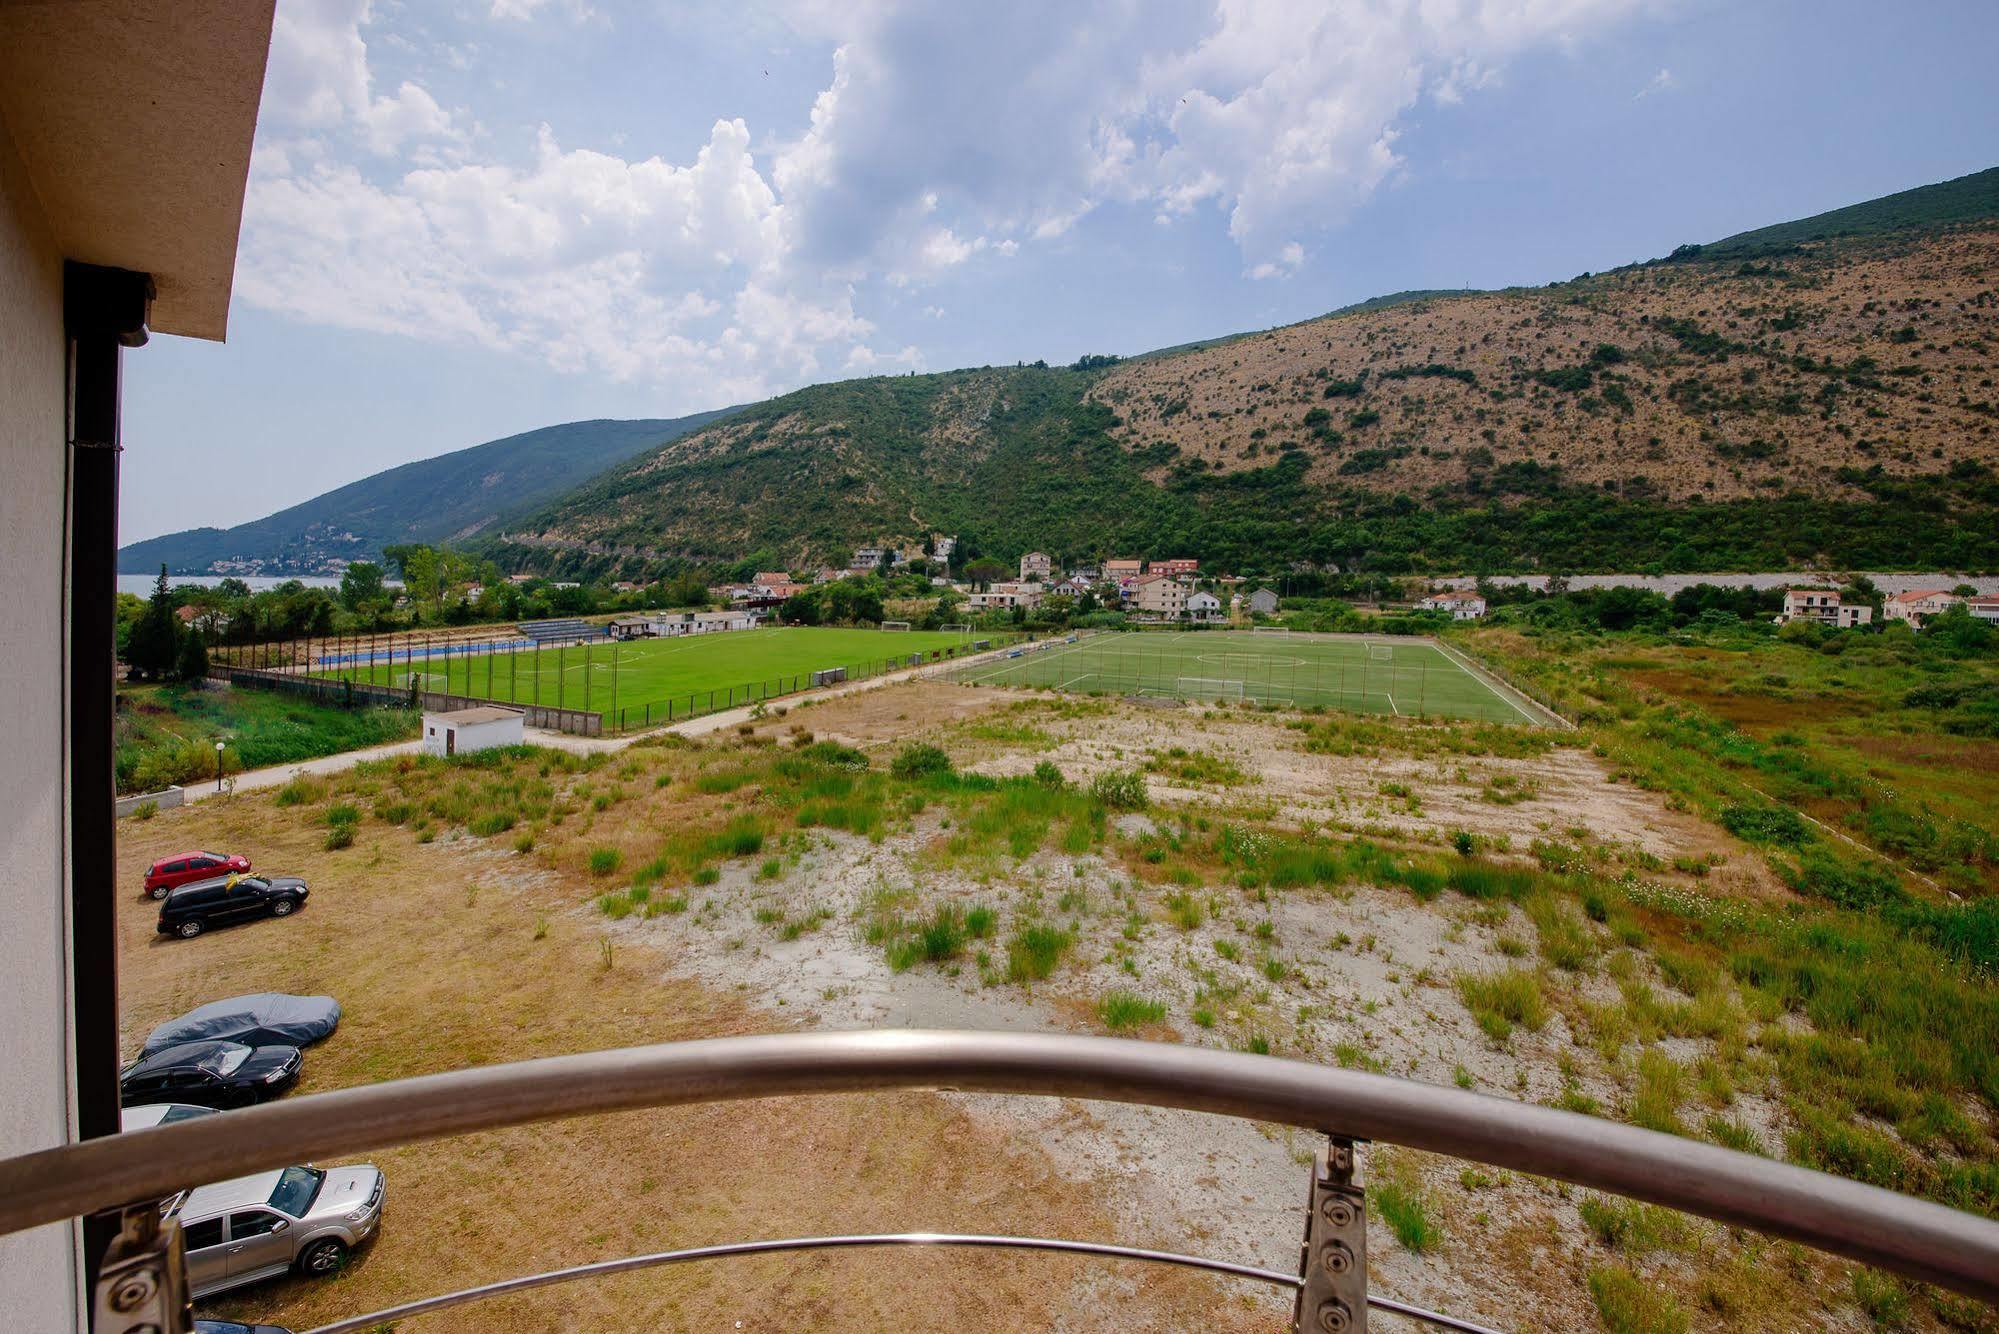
x=1411, y=677
x=651, y=679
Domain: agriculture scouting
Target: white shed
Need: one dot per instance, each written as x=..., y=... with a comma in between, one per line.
x=463, y=731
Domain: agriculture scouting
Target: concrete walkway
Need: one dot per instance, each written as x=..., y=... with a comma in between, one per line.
x=278, y=775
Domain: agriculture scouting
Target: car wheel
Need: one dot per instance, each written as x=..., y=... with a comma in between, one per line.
x=283, y=907
x=189, y=929
x=158, y=891
x=323, y=1257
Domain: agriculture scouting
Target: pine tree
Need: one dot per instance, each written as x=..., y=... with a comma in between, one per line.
x=191, y=663
x=154, y=643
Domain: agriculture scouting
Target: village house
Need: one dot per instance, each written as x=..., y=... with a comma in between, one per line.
x=866, y=558
x=1005, y=596
x=1463, y=604
x=1917, y=605
x=1204, y=607
x=1117, y=571
x=1072, y=587
x=1159, y=595
x=1824, y=606
x=1175, y=568
x=942, y=548
x=1036, y=565
x=1263, y=602
x=1984, y=608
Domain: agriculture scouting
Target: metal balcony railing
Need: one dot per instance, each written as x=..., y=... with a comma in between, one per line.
x=139, y=1285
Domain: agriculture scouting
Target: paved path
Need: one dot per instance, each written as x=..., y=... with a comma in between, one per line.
x=278, y=775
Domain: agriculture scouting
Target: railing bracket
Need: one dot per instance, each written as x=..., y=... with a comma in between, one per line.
x=1332, y=1265
x=141, y=1285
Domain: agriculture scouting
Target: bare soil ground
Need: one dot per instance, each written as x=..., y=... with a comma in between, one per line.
x=460, y=951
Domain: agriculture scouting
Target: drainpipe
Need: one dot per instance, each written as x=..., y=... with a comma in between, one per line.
x=104, y=311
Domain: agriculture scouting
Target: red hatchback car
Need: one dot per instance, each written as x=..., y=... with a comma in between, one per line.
x=172, y=872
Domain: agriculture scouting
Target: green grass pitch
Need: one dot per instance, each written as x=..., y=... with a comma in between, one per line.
x=1410, y=677
x=661, y=678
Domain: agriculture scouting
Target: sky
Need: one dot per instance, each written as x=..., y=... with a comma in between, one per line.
x=471, y=218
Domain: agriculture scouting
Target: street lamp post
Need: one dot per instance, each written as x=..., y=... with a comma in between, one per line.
x=218, y=766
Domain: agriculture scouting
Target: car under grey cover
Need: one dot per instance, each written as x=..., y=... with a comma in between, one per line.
x=264, y=1019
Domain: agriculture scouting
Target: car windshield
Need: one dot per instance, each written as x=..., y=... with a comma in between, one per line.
x=224, y=1060
x=182, y=1111
x=296, y=1188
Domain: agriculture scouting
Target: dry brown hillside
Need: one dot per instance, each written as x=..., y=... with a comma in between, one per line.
x=1714, y=380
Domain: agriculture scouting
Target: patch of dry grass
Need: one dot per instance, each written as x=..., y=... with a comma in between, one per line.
x=461, y=952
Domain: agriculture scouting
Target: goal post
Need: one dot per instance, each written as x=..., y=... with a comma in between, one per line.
x=1381, y=652
x=895, y=625
x=961, y=628
x=1270, y=629
x=1208, y=687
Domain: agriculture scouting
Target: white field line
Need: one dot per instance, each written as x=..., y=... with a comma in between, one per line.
x=1391, y=703
x=1031, y=657
x=1500, y=688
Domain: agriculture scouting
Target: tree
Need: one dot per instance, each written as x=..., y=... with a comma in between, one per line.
x=191, y=663
x=689, y=590
x=362, y=586
x=418, y=566
x=154, y=642
x=984, y=571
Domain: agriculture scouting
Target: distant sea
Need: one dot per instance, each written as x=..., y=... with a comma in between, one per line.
x=142, y=584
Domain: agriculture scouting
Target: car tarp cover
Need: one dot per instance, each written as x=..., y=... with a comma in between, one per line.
x=268, y=1019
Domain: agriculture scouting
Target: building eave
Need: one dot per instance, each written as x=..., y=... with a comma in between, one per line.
x=134, y=120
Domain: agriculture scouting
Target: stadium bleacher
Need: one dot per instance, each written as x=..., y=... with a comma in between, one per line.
x=561, y=630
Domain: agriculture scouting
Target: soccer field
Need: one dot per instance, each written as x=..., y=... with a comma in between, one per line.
x=648, y=680
x=1408, y=677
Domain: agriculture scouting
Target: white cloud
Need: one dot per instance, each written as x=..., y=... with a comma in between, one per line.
x=412, y=114
x=588, y=261
x=1290, y=258
x=947, y=137
x=317, y=74
x=521, y=11
x=1659, y=83
x=1021, y=120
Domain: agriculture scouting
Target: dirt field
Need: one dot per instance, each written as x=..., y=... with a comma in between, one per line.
x=449, y=950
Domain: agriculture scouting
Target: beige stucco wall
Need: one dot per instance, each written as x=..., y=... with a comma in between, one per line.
x=37, y=1272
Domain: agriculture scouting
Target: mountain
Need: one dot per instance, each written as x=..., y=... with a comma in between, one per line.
x=1820, y=392
x=1972, y=198
x=448, y=498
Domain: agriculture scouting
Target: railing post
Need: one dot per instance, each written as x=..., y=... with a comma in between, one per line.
x=1333, y=1260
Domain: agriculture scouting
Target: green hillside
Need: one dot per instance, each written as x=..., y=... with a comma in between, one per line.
x=447, y=498
x=1973, y=198
x=1700, y=415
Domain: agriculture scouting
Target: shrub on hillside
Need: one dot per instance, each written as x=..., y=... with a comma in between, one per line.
x=1766, y=824
x=920, y=761
x=1121, y=790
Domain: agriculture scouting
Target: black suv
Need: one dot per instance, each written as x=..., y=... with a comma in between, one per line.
x=194, y=908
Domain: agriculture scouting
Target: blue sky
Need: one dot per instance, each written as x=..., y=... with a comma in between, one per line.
x=473, y=218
